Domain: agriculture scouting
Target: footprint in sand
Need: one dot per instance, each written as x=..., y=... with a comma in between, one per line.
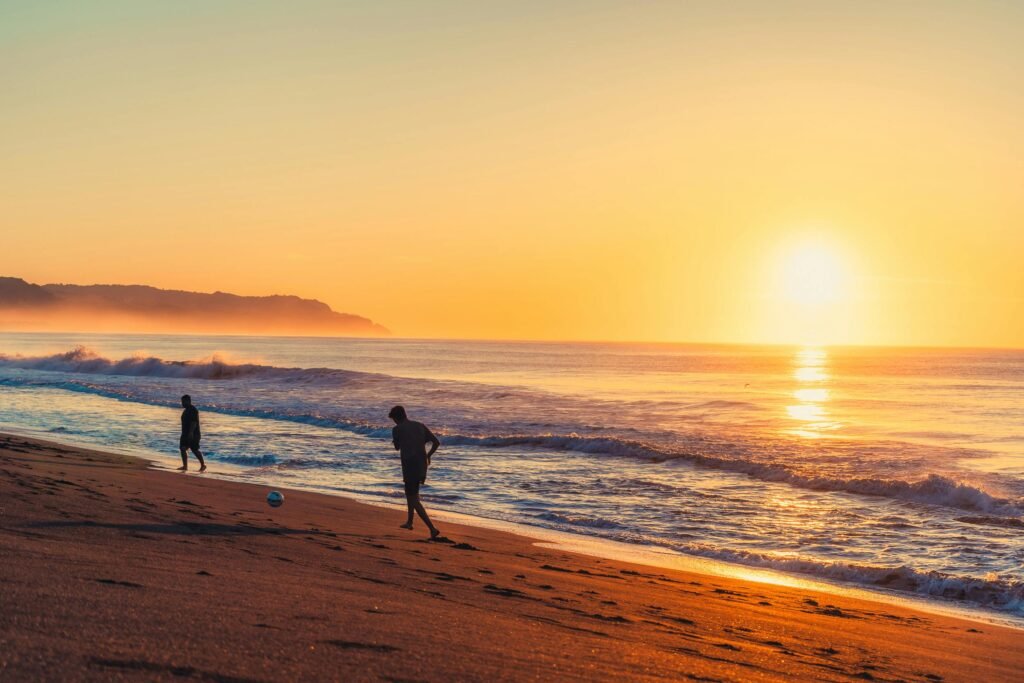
x=445, y=576
x=507, y=592
x=114, y=582
x=354, y=645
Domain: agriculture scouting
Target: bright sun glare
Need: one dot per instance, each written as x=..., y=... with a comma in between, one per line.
x=812, y=274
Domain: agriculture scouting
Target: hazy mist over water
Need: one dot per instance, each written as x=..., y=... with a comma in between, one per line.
x=894, y=468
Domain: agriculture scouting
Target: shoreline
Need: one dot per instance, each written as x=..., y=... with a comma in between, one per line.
x=597, y=546
x=119, y=569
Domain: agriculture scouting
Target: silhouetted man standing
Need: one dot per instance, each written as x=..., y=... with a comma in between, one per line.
x=410, y=440
x=190, y=434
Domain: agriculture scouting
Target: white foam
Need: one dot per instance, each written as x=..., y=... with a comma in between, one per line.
x=990, y=591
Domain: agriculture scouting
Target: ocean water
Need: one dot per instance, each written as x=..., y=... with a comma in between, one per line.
x=892, y=469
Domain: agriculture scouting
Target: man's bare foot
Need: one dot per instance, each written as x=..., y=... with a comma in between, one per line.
x=183, y=469
x=407, y=525
x=434, y=533
x=203, y=468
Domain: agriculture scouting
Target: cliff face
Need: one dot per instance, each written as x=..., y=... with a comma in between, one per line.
x=141, y=308
x=16, y=292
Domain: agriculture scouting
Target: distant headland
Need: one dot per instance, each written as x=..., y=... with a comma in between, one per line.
x=140, y=308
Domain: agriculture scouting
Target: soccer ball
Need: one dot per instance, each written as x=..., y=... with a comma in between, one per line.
x=275, y=499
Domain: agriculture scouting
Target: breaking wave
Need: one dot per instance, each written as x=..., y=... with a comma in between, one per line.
x=83, y=360
x=990, y=591
x=933, y=490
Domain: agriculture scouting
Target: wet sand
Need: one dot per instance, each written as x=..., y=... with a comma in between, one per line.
x=113, y=571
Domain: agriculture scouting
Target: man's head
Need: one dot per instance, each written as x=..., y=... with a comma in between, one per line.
x=397, y=414
x=186, y=400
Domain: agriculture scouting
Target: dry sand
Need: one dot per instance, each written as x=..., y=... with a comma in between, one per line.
x=113, y=571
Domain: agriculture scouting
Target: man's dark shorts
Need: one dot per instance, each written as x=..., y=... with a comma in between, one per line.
x=185, y=444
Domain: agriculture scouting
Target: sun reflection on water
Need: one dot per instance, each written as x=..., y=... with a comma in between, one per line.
x=811, y=372
x=811, y=395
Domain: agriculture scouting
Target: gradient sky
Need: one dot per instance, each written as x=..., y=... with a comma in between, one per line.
x=574, y=170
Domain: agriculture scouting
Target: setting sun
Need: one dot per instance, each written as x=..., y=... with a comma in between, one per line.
x=813, y=275
x=809, y=292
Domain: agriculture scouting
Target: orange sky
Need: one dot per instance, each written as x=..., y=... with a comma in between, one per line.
x=575, y=170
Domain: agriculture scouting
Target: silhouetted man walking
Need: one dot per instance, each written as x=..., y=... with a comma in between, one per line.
x=410, y=440
x=190, y=434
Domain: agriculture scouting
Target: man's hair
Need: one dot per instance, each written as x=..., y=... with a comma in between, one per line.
x=186, y=398
x=397, y=413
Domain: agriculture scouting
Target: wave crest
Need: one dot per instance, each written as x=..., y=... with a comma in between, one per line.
x=990, y=591
x=934, y=489
x=84, y=360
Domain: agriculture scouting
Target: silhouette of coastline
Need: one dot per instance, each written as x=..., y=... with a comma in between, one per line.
x=24, y=305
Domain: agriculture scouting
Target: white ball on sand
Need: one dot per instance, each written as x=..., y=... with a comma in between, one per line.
x=275, y=499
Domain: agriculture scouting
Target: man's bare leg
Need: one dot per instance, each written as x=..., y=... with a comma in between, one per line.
x=202, y=463
x=422, y=511
x=409, y=503
x=184, y=461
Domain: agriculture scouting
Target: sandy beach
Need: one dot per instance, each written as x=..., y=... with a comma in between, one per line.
x=115, y=571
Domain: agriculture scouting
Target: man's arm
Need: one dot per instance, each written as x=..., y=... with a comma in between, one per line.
x=434, y=444
x=394, y=437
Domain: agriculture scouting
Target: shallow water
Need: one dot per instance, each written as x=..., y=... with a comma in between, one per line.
x=893, y=468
